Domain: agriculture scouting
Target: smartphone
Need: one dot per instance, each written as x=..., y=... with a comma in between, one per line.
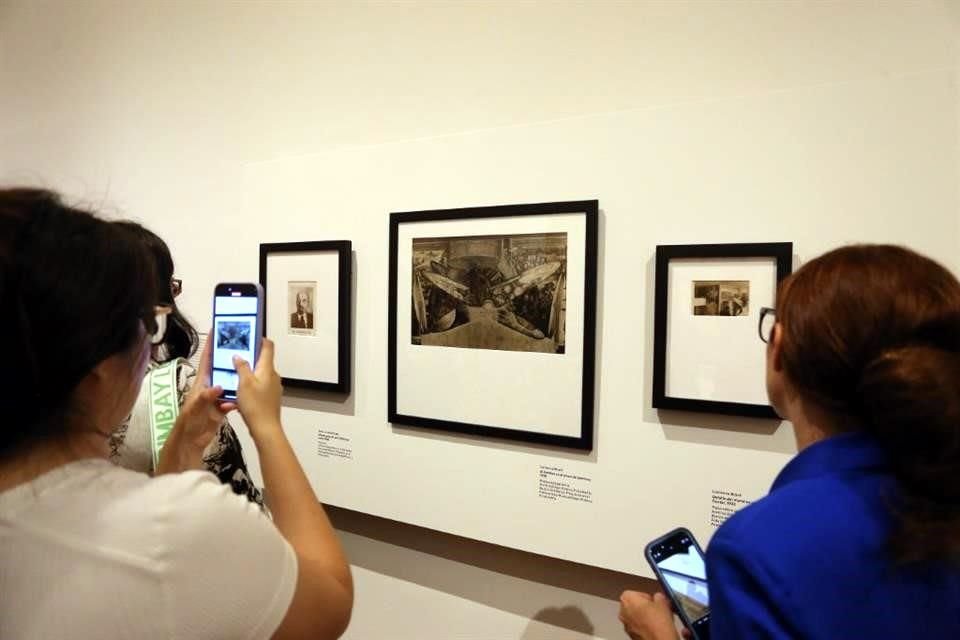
x=237, y=331
x=678, y=562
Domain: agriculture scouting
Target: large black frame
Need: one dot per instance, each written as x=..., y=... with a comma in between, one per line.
x=782, y=252
x=589, y=208
x=344, y=249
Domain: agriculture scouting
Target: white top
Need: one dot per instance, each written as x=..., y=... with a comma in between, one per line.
x=90, y=550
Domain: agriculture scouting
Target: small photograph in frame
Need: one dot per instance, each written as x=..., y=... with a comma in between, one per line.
x=301, y=299
x=307, y=300
x=721, y=298
x=490, y=307
x=707, y=355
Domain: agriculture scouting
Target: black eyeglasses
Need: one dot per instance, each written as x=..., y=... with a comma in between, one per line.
x=176, y=286
x=768, y=318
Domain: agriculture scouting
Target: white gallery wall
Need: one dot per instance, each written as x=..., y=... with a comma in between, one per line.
x=224, y=125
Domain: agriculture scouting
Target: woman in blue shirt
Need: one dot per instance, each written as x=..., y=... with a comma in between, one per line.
x=860, y=534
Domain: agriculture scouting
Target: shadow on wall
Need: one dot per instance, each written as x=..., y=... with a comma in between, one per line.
x=559, y=624
x=758, y=434
x=319, y=401
x=506, y=579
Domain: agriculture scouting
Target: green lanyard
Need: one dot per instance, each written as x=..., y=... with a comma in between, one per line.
x=164, y=406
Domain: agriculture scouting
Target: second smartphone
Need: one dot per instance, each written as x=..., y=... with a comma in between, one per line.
x=677, y=560
x=237, y=331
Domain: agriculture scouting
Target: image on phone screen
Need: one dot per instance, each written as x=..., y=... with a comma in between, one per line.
x=683, y=571
x=234, y=334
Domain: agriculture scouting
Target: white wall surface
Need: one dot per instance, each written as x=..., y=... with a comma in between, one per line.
x=819, y=123
x=817, y=165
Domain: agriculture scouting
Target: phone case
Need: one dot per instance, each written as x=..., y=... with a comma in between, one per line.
x=647, y=552
x=258, y=336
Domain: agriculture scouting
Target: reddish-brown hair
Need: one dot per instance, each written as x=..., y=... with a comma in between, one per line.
x=871, y=335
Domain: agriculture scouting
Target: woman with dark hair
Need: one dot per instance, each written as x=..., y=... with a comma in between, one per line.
x=91, y=549
x=136, y=444
x=860, y=534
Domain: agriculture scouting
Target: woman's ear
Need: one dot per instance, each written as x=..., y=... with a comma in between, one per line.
x=776, y=347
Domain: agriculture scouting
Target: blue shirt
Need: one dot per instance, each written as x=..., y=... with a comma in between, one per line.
x=810, y=559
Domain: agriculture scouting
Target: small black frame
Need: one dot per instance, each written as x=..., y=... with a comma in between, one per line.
x=584, y=441
x=344, y=284
x=781, y=252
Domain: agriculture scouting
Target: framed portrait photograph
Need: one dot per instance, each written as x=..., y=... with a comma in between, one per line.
x=307, y=287
x=492, y=320
x=301, y=301
x=709, y=300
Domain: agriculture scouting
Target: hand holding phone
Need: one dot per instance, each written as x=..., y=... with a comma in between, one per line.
x=237, y=331
x=647, y=617
x=260, y=393
x=678, y=563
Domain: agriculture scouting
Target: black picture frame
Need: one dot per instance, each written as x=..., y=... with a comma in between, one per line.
x=344, y=251
x=780, y=252
x=589, y=208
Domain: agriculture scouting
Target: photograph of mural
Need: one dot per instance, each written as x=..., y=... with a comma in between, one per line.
x=233, y=335
x=505, y=292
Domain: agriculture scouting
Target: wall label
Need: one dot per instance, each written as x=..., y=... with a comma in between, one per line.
x=333, y=444
x=724, y=504
x=557, y=484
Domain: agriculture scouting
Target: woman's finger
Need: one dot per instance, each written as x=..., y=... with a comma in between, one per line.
x=211, y=395
x=265, y=359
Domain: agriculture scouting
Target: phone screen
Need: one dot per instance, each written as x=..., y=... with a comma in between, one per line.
x=235, y=331
x=682, y=570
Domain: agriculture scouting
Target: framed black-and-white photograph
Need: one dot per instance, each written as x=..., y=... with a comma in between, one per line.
x=707, y=354
x=307, y=314
x=492, y=320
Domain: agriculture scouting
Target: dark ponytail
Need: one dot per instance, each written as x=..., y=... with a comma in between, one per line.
x=872, y=335
x=71, y=295
x=911, y=400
